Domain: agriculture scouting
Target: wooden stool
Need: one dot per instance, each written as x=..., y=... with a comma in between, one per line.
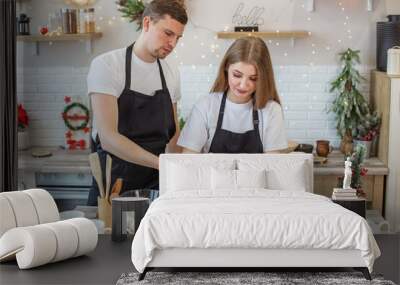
x=121, y=205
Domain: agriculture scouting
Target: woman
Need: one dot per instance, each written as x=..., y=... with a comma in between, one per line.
x=242, y=114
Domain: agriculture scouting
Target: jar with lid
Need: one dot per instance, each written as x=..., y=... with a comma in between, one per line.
x=82, y=21
x=90, y=24
x=69, y=21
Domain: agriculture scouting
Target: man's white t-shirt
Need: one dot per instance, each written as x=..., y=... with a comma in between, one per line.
x=107, y=75
x=200, y=127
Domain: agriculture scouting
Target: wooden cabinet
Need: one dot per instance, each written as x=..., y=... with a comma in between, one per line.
x=385, y=98
x=326, y=178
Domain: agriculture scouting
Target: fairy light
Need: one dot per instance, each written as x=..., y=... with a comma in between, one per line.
x=213, y=49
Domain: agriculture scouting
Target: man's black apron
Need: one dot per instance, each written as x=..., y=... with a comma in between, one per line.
x=228, y=142
x=146, y=120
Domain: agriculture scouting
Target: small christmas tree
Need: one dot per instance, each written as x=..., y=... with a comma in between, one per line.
x=353, y=116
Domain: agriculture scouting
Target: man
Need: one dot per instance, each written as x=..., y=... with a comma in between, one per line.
x=133, y=94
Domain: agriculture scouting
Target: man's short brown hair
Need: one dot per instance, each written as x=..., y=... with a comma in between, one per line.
x=157, y=9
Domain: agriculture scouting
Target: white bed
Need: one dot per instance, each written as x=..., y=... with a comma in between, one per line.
x=247, y=210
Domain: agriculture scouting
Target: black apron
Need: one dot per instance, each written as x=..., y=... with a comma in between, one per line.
x=146, y=120
x=228, y=142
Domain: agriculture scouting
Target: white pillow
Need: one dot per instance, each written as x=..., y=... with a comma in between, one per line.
x=223, y=179
x=292, y=177
x=251, y=178
x=186, y=175
x=183, y=178
x=236, y=179
x=282, y=174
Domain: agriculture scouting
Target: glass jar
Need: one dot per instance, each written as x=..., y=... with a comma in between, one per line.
x=55, y=23
x=82, y=21
x=90, y=24
x=69, y=21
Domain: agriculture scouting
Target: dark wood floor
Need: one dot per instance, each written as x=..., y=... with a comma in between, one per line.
x=110, y=259
x=102, y=266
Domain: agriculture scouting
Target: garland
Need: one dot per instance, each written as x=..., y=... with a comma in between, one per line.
x=75, y=117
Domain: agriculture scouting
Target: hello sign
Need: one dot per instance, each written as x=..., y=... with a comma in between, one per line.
x=253, y=18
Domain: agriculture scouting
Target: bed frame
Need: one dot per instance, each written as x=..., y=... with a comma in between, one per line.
x=242, y=259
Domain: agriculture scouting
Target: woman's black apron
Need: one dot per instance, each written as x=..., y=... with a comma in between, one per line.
x=146, y=120
x=228, y=142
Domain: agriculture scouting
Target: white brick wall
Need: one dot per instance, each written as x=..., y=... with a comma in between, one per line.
x=304, y=91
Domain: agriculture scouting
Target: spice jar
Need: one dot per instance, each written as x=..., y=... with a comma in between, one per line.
x=82, y=21
x=69, y=21
x=90, y=24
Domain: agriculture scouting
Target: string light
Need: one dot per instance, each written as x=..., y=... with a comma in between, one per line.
x=213, y=47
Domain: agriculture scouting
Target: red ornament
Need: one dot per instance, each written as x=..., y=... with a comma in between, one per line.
x=68, y=134
x=86, y=130
x=44, y=30
x=22, y=117
x=67, y=99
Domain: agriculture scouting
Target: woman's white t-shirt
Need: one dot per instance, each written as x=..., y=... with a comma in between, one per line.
x=107, y=76
x=200, y=126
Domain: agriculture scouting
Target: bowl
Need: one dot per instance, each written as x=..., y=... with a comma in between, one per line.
x=304, y=147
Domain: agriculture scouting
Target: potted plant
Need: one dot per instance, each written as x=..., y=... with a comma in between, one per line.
x=133, y=10
x=367, y=132
x=23, y=122
x=350, y=107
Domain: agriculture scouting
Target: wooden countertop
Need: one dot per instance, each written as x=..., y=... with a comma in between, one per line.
x=61, y=161
x=73, y=161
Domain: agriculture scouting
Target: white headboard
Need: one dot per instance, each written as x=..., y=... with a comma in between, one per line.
x=210, y=159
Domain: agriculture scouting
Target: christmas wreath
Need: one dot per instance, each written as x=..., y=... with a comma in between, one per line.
x=69, y=118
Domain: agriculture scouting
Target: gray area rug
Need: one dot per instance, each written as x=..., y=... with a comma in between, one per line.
x=243, y=278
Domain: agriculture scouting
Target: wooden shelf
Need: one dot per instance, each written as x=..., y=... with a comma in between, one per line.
x=60, y=37
x=267, y=34
x=36, y=39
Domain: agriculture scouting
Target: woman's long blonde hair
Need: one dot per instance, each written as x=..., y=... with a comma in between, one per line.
x=254, y=51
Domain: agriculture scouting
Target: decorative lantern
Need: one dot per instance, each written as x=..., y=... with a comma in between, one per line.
x=23, y=25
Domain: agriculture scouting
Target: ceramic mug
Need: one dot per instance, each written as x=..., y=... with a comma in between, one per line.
x=323, y=148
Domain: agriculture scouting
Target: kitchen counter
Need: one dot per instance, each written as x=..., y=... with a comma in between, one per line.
x=64, y=161
x=325, y=175
x=77, y=161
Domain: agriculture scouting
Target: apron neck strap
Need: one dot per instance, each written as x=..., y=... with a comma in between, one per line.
x=256, y=121
x=128, y=61
x=128, y=67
